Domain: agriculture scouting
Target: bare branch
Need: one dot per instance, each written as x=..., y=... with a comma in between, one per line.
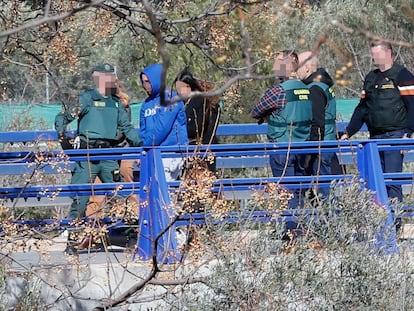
x=205, y=15
x=224, y=87
x=126, y=17
x=177, y=281
x=245, y=40
x=369, y=35
x=17, y=63
x=356, y=61
x=46, y=19
x=47, y=8
x=161, y=49
x=154, y=270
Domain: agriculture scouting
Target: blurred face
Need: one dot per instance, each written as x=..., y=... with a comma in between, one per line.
x=283, y=66
x=307, y=63
x=183, y=89
x=146, y=84
x=302, y=72
x=381, y=57
x=105, y=82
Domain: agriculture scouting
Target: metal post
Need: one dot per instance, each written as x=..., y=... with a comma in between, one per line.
x=369, y=165
x=155, y=213
x=47, y=87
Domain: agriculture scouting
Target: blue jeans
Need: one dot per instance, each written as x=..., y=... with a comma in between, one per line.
x=392, y=162
x=294, y=167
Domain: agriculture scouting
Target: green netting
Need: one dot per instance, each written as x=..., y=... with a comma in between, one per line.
x=345, y=107
x=41, y=116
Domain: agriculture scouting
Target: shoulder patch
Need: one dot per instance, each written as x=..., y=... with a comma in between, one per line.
x=99, y=104
x=388, y=86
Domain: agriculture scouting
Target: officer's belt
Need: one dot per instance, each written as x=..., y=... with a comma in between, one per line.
x=374, y=132
x=285, y=124
x=97, y=143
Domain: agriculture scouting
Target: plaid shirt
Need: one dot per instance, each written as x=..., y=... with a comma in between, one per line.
x=274, y=100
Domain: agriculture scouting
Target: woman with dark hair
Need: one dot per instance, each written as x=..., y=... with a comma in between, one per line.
x=202, y=120
x=202, y=112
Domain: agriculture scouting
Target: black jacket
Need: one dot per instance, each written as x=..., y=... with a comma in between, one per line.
x=405, y=80
x=202, y=121
x=319, y=101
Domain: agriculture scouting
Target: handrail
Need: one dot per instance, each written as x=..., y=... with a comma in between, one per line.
x=157, y=195
x=222, y=130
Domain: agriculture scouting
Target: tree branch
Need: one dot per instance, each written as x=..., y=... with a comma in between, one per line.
x=369, y=35
x=46, y=19
x=161, y=49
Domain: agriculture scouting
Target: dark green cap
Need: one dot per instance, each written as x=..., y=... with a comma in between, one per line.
x=104, y=68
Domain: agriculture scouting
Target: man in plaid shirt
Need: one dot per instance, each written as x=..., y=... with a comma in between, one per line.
x=288, y=111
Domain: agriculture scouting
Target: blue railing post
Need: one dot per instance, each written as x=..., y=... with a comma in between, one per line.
x=369, y=166
x=154, y=214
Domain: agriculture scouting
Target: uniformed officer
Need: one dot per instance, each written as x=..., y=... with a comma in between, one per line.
x=323, y=125
x=288, y=111
x=387, y=108
x=101, y=117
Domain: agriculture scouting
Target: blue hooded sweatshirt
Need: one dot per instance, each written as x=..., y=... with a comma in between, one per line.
x=161, y=125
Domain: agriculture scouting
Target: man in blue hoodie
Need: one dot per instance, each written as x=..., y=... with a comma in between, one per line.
x=162, y=123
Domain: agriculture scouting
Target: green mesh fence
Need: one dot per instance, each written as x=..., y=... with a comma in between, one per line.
x=41, y=116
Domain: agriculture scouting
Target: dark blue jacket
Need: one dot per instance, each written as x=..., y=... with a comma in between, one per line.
x=161, y=125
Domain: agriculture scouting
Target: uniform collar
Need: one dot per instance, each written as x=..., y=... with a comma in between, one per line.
x=96, y=95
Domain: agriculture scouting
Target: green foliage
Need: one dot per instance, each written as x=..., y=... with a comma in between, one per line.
x=37, y=212
x=23, y=121
x=214, y=46
x=331, y=265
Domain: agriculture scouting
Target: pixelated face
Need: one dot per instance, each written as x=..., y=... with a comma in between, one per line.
x=146, y=84
x=105, y=81
x=182, y=88
x=307, y=64
x=302, y=71
x=381, y=55
x=283, y=66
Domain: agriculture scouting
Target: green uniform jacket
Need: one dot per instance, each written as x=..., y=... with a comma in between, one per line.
x=330, y=110
x=293, y=122
x=99, y=117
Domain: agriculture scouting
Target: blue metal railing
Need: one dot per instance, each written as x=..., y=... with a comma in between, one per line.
x=155, y=215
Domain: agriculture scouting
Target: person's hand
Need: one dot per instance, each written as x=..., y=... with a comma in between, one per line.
x=264, y=119
x=76, y=142
x=344, y=137
x=64, y=141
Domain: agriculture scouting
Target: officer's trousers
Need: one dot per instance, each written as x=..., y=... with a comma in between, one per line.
x=392, y=162
x=85, y=172
x=282, y=165
x=293, y=165
x=320, y=166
